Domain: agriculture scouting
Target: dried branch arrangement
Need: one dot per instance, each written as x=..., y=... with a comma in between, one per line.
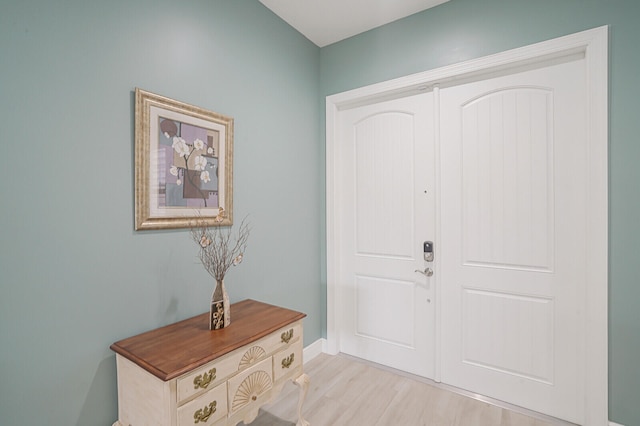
x=219, y=248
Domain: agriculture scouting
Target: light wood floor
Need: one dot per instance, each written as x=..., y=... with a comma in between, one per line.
x=348, y=391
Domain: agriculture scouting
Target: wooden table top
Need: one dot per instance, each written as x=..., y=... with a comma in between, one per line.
x=175, y=349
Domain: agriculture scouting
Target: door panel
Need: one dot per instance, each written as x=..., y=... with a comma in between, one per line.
x=386, y=163
x=513, y=237
x=384, y=181
x=506, y=147
x=525, y=320
x=374, y=295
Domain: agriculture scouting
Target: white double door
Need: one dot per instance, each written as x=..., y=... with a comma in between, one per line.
x=494, y=173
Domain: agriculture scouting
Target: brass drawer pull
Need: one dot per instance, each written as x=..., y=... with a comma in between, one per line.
x=286, y=363
x=203, y=414
x=287, y=336
x=203, y=380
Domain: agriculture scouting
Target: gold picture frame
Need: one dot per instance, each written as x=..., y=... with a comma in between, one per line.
x=183, y=164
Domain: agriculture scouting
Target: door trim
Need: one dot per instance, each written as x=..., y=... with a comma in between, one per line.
x=593, y=44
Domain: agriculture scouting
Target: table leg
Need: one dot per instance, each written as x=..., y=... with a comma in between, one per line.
x=303, y=383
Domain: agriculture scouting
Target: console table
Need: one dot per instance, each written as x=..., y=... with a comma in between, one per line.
x=185, y=374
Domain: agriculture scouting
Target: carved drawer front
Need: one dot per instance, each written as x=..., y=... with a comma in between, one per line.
x=207, y=376
x=287, y=360
x=268, y=345
x=206, y=409
x=250, y=356
x=248, y=385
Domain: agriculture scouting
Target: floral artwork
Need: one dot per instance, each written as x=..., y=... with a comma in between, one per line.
x=183, y=164
x=188, y=174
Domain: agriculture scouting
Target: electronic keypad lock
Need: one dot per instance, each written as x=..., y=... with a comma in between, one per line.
x=428, y=251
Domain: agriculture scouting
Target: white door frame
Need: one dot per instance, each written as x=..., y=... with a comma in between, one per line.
x=593, y=44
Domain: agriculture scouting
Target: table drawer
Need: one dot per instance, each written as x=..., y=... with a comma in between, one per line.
x=206, y=409
x=287, y=360
x=207, y=376
x=268, y=345
x=287, y=335
x=248, y=385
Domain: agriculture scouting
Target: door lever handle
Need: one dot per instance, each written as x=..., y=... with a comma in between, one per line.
x=427, y=272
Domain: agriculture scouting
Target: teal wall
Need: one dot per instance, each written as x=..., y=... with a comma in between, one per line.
x=74, y=275
x=466, y=29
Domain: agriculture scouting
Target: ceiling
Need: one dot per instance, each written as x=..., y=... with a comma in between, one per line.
x=327, y=21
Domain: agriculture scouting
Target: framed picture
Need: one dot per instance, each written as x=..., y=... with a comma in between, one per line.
x=183, y=163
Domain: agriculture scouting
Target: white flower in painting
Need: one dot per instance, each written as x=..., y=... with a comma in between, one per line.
x=200, y=163
x=166, y=135
x=237, y=259
x=180, y=146
x=198, y=144
x=204, y=176
x=178, y=182
x=173, y=170
x=209, y=150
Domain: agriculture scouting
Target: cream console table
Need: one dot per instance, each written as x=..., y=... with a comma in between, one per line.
x=185, y=374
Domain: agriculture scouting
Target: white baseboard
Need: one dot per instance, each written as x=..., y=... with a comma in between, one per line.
x=314, y=349
x=614, y=424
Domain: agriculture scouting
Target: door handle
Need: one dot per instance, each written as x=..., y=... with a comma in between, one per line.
x=427, y=272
